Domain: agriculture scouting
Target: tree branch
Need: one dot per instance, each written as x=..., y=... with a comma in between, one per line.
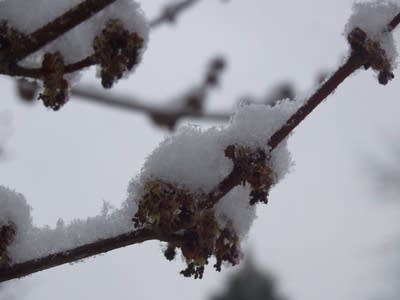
x=60, y=258
x=54, y=29
x=38, y=73
x=232, y=180
x=354, y=62
x=190, y=104
x=171, y=12
x=359, y=57
x=163, y=115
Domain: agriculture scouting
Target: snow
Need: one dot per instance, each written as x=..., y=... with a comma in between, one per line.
x=77, y=43
x=235, y=208
x=373, y=17
x=192, y=159
x=14, y=209
x=33, y=242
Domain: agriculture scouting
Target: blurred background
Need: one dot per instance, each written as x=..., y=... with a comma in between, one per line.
x=330, y=230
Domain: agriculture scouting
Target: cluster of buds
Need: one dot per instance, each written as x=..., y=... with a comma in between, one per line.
x=55, y=87
x=7, y=233
x=117, y=50
x=176, y=214
x=375, y=56
x=253, y=169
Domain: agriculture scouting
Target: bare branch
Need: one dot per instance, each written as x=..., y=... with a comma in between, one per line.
x=38, y=73
x=353, y=63
x=132, y=104
x=394, y=23
x=171, y=12
x=189, y=105
x=54, y=29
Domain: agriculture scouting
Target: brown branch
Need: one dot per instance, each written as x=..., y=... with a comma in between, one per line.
x=62, y=24
x=357, y=59
x=171, y=11
x=354, y=62
x=394, y=23
x=79, y=65
x=38, y=73
x=232, y=180
x=161, y=115
x=64, y=257
x=54, y=29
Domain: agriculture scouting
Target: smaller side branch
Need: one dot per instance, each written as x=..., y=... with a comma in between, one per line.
x=394, y=23
x=60, y=258
x=132, y=104
x=190, y=104
x=171, y=12
x=38, y=73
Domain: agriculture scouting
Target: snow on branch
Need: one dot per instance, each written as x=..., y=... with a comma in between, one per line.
x=69, y=36
x=197, y=191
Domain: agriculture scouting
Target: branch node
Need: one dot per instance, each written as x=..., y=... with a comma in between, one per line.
x=373, y=53
x=117, y=50
x=252, y=167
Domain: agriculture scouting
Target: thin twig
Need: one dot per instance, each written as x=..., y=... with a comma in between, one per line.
x=54, y=29
x=234, y=178
x=37, y=73
x=356, y=60
x=171, y=11
x=393, y=24
x=81, y=252
x=191, y=103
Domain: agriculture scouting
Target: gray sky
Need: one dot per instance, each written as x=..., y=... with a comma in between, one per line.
x=322, y=232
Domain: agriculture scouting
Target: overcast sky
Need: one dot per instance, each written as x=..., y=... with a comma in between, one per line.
x=324, y=230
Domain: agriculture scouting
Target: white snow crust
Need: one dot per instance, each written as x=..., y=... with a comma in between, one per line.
x=34, y=242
